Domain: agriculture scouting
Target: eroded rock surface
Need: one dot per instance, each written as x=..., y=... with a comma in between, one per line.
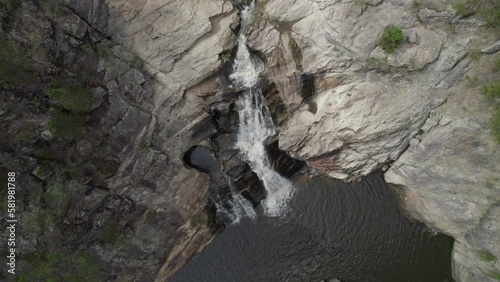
x=367, y=107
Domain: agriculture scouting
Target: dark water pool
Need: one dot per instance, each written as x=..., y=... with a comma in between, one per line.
x=353, y=232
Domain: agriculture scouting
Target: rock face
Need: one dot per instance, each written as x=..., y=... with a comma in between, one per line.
x=352, y=109
x=154, y=79
x=152, y=72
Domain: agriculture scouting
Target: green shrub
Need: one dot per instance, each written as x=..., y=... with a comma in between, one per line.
x=495, y=275
x=65, y=125
x=57, y=197
x=491, y=91
x=61, y=266
x=461, y=9
x=491, y=14
x=144, y=147
x=74, y=97
x=475, y=54
x=37, y=220
x=496, y=65
x=486, y=256
x=495, y=125
x=391, y=39
x=123, y=244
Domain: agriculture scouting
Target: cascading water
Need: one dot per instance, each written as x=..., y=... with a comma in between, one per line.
x=256, y=125
x=234, y=209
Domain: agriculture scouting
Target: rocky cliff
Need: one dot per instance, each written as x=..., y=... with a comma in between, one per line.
x=110, y=176
x=354, y=107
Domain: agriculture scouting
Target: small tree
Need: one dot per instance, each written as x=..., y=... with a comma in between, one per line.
x=391, y=39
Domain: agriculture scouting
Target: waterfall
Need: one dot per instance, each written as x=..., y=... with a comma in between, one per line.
x=246, y=67
x=234, y=209
x=256, y=125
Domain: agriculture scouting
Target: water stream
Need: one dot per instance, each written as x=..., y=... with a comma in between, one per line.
x=256, y=125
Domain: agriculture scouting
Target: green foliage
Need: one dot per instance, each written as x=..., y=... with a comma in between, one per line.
x=391, y=39
x=490, y=13
x=417, y=4
x=123, y=244
x=495, y=124
x=486, y=256
x=149, y=215
x=65, y=125
x=144, y=147
x=496, y=65
x=42, y=169
x=475, y=54
x=361, y=3
x=74, y=97
x=12, y=52
x=461, y=9
x=62, y=266
x=36, y=220
x=491, y=91
x=57, y=197
x=225, y=56
x=13, y=63
x=495, y=275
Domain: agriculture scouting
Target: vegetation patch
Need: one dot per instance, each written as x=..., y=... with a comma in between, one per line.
x=486, y=256
x=74, y=97
x=61, y=266
x=495, y=275
x=475, y=54
x=57, y=197
x=65, y=125
x=496, y=65
x=391, y=39
x=461, y=9
x=144, y=147
x=111, y=233
x=225, y=56
x=490, y=13
x=492, y=93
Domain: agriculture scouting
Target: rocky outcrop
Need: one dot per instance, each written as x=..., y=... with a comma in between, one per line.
x=417, y=110
x=151, y=71
x=451, y=175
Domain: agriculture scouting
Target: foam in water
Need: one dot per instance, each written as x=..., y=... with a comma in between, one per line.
x=239, y=207
x=246, y=68
x=256, y=126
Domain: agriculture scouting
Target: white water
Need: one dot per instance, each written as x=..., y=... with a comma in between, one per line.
x=256, y=125
x=246, y=68
x=239, y=208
